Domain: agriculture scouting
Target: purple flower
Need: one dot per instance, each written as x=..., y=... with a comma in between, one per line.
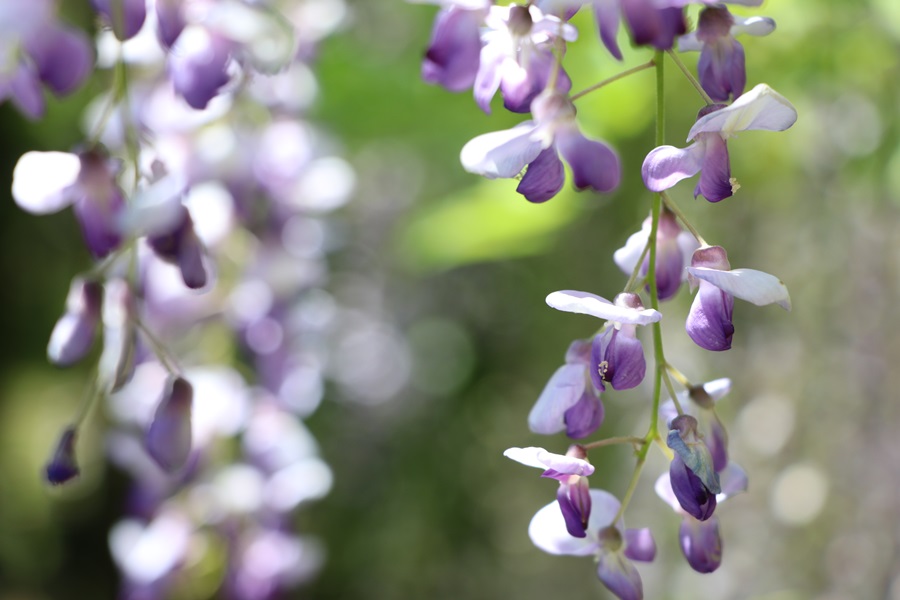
x=674, y=248
x=517, y=57
x=46, y=182
x=182, y=247
x=709, y=320
x=453, y=54
x=567, y=403
x=617, y=356
x=721, y=66
x=537, y=145
x=125, y=16
x=694, y=480
x=198, y=65
x=572, y=471
x=701, y=406
x=62, y=467
x=762, y=108
x=613, y=546
x=75, y=331
x=169, y=435
x=170, y=21
x=701, y=542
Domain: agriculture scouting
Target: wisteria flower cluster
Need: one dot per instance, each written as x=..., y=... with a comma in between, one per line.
x=520, y=50
x=204, y=195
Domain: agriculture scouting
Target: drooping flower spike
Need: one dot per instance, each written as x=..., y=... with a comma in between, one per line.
x=709, y=321
x=721, y=67
x=572, y=471
x=762, y=108
x=537, y=145
x=674, y=248
x=613, y=546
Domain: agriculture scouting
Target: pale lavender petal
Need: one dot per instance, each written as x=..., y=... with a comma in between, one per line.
x=63, y=56
x=584, y=417
x=198, y=66
x=119, y=311
x=501, y=153
x=606, y=12
x=26, y=93
x=701, y=543
x=628, y=255
x=99, y=219
x=453, y=54
x=125, y=16
x=561, y=393
x=709, y=320
x=169, y=435
x=594, y=164
x=589, y=304
x=667, y=165
x=715, y=177
x=717, y=442
x=734, y=481
x=758, y=26
x=753, y=286
x=640, y=545
x=74, y=333
x=487, y=80
x=762, y=108
x=43, y=181
x=541, y=459
x=663, y=489
x=170, y=21
x=579, y=352
x=520, y=85
x=619, y=576
x=544, y=178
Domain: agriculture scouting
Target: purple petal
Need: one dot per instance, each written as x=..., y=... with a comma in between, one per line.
x=521, y=85
x=563, y=391
x=99, y=219
x=594, y=164
x=544, y=178
x=169, y=20
x=198, y=67
x=584, y=417
x=25, y=89
x=709, y=321
x=501, y=153
x=692, y=494
x=619, y=576
x=63, y=56
x=717, y=442
x=640, y=545
x=579, y=352
x=125, y=16
x=734, y=481
x=74, y=333
x=606, y=12
x=618, y=358
x=548, y=528
x=169, y=435
x=653, y=26
x=452, y=57
x=182, y=247
x=701, y=544
x=722, y=70
x=715, y=177
x=667, y=165
x=487, y=80
x=575, y=504
x=63, y=467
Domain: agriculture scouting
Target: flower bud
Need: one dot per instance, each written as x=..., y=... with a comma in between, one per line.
x=169, y=435
x=693, y=477
x=701, y=544
x=182, y=247
x=62, y=467
x=74, y=333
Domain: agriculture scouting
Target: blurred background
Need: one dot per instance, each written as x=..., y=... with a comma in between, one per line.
x=452, y=342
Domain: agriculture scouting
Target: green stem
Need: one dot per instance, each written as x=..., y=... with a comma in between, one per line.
x=690, y=77
x=671, y=205
x=614, y=78
x=627, y=439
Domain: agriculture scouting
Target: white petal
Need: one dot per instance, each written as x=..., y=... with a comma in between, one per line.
x=589, y=304
x=501, y=153
x=762, y=108
x=747, y=284
x=548, y=528
x=757, y=26
x=42, y=181
x=541, y=459
x=717, y=388
x=628, y=255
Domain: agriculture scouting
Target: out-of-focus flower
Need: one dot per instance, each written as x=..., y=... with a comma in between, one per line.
x=182, y=247
x=169, y=435
x=537, y=144
x=674, y=248
x=721, y=66
x=613, y=549
x=762, y=108
x=75, y=331
x=126, y=17
x=452, y=57
x=63, y=467
x=709, y=320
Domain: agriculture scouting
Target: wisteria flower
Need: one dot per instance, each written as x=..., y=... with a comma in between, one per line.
x=709, y=321
x=721, y=67
x=46, y=182
x=452, y=57
x=517, y=57
x=762, y=108
x=572, y=471
x=568, y=403
x=617, y=356
x=63, y=466
x=701, y=541
x=74, y=333
x=674, y=247
x=537, y=145
x=699, y=402
x=613, y=546
x=169, y=435
x=693, y=477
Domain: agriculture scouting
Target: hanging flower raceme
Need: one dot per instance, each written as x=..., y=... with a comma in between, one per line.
x=701, y=542
x=46, y=182
x=517, y=57
x=762, y=108
x=674, y=248
x=568, y=402
x=452, y=58
x=709, y=321
x=721, y=67
x=699, y=401
x=537, y=145
x=613, y=546
x=572, y=471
